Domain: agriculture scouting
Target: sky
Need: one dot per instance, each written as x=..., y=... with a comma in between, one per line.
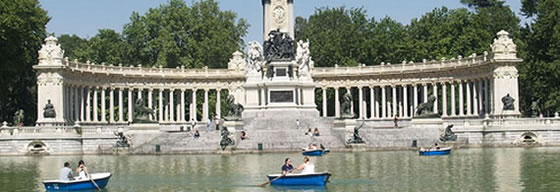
x=85, y=17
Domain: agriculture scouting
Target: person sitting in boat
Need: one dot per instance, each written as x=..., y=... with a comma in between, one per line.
x=66, y=172
x=244, y=135
x=312, y=146
x=307, y=166
x=436, y=146
x=287, y=167
x=196, y=134
x=82, y=170
x=316, y=132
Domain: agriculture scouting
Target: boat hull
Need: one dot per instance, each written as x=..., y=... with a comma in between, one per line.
x=317, y=152
x=442, y=151
x=101, y=179
x=312, y=179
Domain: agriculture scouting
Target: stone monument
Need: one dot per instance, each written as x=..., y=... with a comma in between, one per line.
x=505, y=76
x=50, y=89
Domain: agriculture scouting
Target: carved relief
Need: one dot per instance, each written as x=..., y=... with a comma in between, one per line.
x=51, y=53
x=503, y=47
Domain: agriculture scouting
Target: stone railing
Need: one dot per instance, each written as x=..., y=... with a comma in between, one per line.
x=64, y=130
x=411, y=67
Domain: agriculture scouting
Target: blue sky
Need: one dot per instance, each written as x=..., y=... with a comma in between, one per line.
x=85, y=17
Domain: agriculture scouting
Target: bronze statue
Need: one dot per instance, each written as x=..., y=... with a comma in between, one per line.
x=508, y=103
x=234, y=110
x=346, y=105
x=279, y=46
x=123, y=140
x=18, y=118
x=226, y=139
x=356, y=139
x=425, y=110
x=48, y=110
x=448, y=135
x=142, y=113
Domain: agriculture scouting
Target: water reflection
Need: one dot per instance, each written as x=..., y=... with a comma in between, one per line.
x=506, y=169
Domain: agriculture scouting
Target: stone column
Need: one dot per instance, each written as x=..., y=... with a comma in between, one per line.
x=160, y=105
x=150, y=101
x=461, y=99
x=371, y=102
x=444, y=99
x=436, y=96
x=218, y=103
x=193, y=111
x=88, y=104
x=103, y=106
x=405, y=100
x=377, y=112
x=468, y=94
x=171, y=105
x=490, y=96
x=121, y=106
x=140, y=90
x=76, y=103
x=478, y=101
x=182, y=113
x=95, y=105
x=383, y=102
x=486, y=96
x=415, y=97
x=82, y=104
x=130, y=110
x=453, y=101
x=425, y=92
x=205, y=106
x=394, y=96
x=112, y=105
x=361, y=103
x=336, y=103
x=324, y=91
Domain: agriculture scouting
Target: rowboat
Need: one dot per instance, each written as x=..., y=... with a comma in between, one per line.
x=430, y=152
x=99, y=179
x=316, y=152
x=316, y=179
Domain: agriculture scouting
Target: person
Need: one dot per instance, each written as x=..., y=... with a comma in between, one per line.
x=436, y=146
x=308, y=132
x=297, y=123
x=82, y=170
x=244, y=135
x=193, y=124
x=287, y=167
x=217, y=122
x=307, y=166
x=66, y=172
x=396, y=121
x=312, y=146
x=196, y=134
x=316, y=132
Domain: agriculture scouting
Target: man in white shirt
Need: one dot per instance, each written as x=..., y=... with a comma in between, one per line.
x=66, y=172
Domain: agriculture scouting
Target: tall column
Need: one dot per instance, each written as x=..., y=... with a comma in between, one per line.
x=486, y=96
x=394, y=96
x=194, y=105
x=349, y=89
x=182, y=113
x=82, y=104
x=415, y=97
x=377, y=112
x=171, y=105
x=490, y=96
x=218, y=102
x=151, y=101
x=475, y=97
x=444, y=99
x=76, y=103
x=103, y=106
x=479, y=97
x=461, y=98
x=324, y=90
x=95, y=105
x=130, y=100
x=336, y=103
x=121, y=106
x=383, y=102
x=112, y=105
x=205, y=106
x=425, y=92
x=361, y=101
x=453, y=101
x=436, y=96
x=88, y=104
x=468, y=94
x=160, y=105
x=371, y=102
x=140, y=90
x=405, y=100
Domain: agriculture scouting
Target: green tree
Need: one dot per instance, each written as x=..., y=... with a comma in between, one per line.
x=482, y=3
x=177, y=35
x=107, y=46
x=72, y=45
x=22, y=30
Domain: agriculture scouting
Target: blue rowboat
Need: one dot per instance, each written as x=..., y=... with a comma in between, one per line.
x=316, y=152
x=316, y=179
x=430, y=152
x=101, y=179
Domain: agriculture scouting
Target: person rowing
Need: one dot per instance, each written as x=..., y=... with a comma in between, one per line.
x=287, y=167
x=306, y=167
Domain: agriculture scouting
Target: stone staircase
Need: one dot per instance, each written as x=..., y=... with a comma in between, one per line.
x=181, y=142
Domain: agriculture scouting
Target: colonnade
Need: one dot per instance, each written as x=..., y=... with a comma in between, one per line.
x=454, y=98
x=107, y=105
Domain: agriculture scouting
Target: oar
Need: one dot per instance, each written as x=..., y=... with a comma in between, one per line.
x=91, y=179
x=266, y=183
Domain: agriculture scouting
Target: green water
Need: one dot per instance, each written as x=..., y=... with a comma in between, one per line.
x=499, y=169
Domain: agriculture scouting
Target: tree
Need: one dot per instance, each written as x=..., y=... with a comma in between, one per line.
x=177, y=35
x=482, y=3
x=107, y=46
x=72, y=45
x=22, y=30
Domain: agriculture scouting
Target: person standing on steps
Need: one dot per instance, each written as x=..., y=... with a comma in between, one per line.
x=193, y=124
x=297, y=123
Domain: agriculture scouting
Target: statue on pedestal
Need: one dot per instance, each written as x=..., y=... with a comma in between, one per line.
x=279, y=46
x=508, y=102
x=18, y=118
x=227, y=139
x=142, y=113
x=356, y=139
x=346, y=105
x=48, y=110
x=448, y=135
x=303, y=59
x=122, y=139
x=425, y=110
x=255, y=60
x=234, y=110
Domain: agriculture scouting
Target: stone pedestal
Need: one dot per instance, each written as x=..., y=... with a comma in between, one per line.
x=510, y=114
x=49, y=122
x=237, y=125
x=144, y=126
x=427, y=123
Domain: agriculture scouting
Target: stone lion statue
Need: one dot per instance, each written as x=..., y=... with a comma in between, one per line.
x=427, y=107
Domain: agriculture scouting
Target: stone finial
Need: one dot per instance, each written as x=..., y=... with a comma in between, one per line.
x=237, y=61
x=404, y=62
x=382, y=63
x=4, y=124
x=51, y=53
x=503, y=47
x=424, y=60
x=556, y=115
